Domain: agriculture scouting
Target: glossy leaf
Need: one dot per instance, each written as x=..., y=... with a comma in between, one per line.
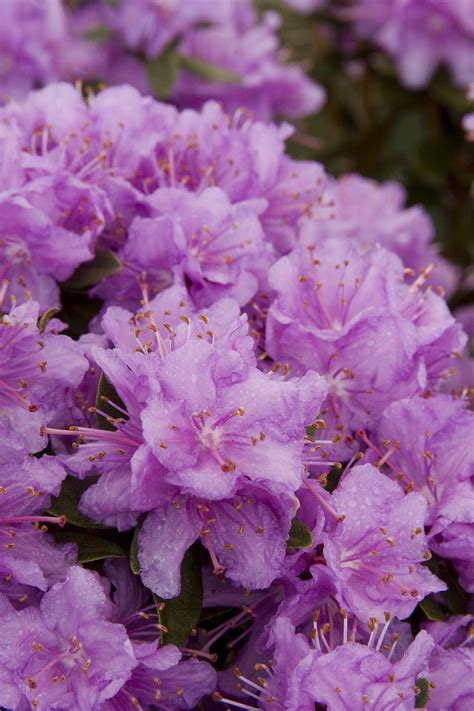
x=66, y=504
x=432, y=610
x=204, y=69
x=134, y=562
x=90, y=547
x=104, y=264
x=163, y=72
x=300, y=535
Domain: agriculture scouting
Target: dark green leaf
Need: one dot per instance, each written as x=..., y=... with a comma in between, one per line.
x=423, y=695
x=104, y=264
x=66, y=504
x=46, y=318
x=181, y=614
x=90, y=547
x=134, y=562
x=333, y=479
x=456, y=598
x=106, y=394
x=163, y=72
x=432, y=610
x=99, y=34
x=208, y=71
x=300, y=535
x=77, y=311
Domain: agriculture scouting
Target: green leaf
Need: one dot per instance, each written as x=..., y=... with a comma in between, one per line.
x=432, y=610
x=106, y=394
x=134, y=562
x=181, y=614
x=91, y=548
x=66, y=504
x=203, y=69
x=46, y=318
x=423, y=695
x=77, y=311
x=300, y=535
x=163, y=72
x=104, y=264
x=99, y=34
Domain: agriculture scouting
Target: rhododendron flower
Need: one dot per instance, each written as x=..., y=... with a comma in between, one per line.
x=161, y=674
x=451, y=683
x=245, y=51
x=342, y=676
x=216, y=248
x=371, y=214
x=35, y=370
x=203, y=423
x=66, y=651
x=421, y=35
x=29, y=559
x=38, y=46
x=338, y=307
x=377, y=551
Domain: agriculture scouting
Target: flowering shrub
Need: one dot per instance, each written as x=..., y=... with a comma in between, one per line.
x=235, y=389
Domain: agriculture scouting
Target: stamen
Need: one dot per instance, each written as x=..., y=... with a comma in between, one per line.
x=339, y=517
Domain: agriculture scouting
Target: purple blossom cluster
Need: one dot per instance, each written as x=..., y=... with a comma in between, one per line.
x=248, y=481
x=420, y=36
x=269, y=333
x=222, y=51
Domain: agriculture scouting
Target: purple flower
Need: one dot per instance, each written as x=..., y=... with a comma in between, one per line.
x=203, y=240
x=245, y=536
x=150, y=26
x=66, y=651
x=450, y=668
x=356, y=676
x=254, y=73
x=426, y=446
x=421, y=35
x=37, y=46
x=349, y=315
x=278, y=682
x=462, y=381
x=161, y=674
x=371, y=214
x=161, y=680
x=339, y=675
x=53, y=215
x=29, y=558
x=377, y=551
x=35, y=370
x=246, y=159
x=132, y=478
x=219, y=421
x=204, y=431
x=264, y=84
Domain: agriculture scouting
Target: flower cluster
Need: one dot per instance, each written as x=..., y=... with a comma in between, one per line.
x=245, y=477
x=38, y=46
x=420, y=35
x=189, y=52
